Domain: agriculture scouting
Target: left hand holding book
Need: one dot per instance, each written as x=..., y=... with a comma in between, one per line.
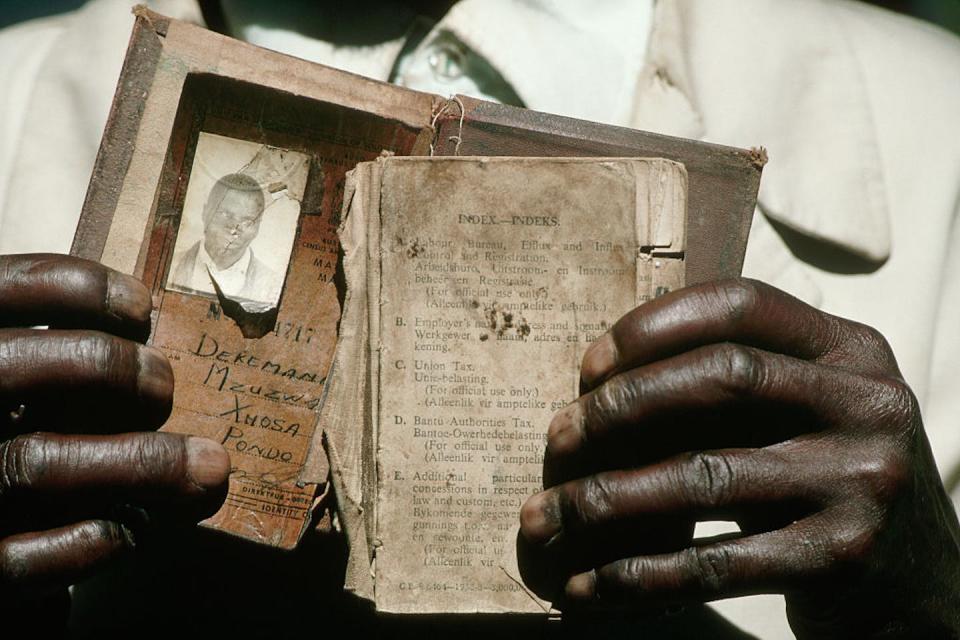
x=79, y=402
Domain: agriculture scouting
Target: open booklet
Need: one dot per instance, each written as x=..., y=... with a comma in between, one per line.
x=220, y=182
x=474, y=285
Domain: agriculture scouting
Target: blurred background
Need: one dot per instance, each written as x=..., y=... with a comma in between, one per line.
x=946, y=13
x=943, y=12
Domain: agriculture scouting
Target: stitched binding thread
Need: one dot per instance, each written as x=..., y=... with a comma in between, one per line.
x=457, y=139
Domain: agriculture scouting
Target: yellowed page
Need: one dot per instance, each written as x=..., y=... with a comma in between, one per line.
x=496, y=274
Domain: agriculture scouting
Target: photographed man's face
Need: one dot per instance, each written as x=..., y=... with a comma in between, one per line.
x=231, y=226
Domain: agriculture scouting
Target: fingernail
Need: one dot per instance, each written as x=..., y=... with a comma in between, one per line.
x=540, y=517
x=208, y=464
x=154, y=377
x=127, y=297
x=599, y=360
x=582, y=586
x=565, y=432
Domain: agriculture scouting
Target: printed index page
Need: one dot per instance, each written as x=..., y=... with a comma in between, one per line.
x=497, y=274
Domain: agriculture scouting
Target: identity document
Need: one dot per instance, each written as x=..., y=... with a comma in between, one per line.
x=474, y=285
x=386, y=347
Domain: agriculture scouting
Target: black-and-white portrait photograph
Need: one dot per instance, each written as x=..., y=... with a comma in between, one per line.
x=239, y=220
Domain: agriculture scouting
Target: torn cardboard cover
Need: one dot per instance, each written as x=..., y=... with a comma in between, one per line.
x=474, y=285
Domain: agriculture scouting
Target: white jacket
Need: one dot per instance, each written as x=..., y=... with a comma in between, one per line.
x=857, y=107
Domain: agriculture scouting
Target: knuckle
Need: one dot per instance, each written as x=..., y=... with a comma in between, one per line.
x=156, y=456
x=739, y=369
x=870, y=340
x=612, y=399
x=14, y=568
x=591, y=501
x=708, y=479
x=707, y=567
x=896, y=403
x=18, y=458
x=737, y=298
x=70, y=274
x=883, y=475
x=867, y=346
x=851, y=547
x=111, y=356
x=622, y=578
x=566, y=433
x=26, y=270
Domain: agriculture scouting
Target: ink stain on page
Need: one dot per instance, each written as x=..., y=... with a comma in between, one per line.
x=414, y=249
x=505, y=324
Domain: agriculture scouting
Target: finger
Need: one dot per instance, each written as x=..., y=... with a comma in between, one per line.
x=595, y=520
x=705, y=485
x=771, y=562
x=80, y=379
x=39, y=562
x=69, y=475
x=743, y=311
x=68, y=292
x=717, y=396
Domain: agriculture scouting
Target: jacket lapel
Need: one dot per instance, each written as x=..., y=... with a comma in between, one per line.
x=65, y=114
x=733, y=72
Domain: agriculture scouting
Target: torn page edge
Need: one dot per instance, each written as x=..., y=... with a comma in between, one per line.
x=316, y=463
x=359, y=578
x=316, y=467
x=371, y=180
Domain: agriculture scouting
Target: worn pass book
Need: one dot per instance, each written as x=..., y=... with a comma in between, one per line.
x=220, y=183
x=473, y=288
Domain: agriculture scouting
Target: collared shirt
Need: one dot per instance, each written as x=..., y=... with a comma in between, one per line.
x=230, y=280
x=492, y=49
x=248, y=279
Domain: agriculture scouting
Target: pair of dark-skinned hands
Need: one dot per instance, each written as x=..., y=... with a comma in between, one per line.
x=79, y=464
x=726, y=401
